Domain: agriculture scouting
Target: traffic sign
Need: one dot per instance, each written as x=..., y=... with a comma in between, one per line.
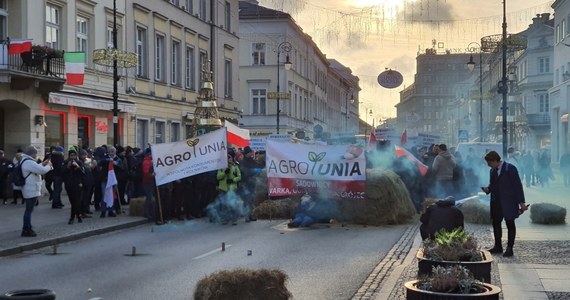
x=278, y=95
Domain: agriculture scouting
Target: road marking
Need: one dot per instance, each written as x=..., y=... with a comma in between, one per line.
x=211, y=252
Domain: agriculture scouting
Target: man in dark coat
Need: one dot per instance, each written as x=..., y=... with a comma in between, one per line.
x=441, y=215
x=507, y=200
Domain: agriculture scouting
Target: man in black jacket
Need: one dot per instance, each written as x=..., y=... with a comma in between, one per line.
x=441, y=215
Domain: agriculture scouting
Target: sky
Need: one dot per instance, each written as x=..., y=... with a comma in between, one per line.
x=370, y=36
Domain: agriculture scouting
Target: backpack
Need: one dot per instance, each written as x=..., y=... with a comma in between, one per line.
x=18, y=178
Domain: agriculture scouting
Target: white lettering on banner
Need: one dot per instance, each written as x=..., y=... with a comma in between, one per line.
x=178, y=160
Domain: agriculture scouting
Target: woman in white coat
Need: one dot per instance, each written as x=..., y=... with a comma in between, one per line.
x=32, y=189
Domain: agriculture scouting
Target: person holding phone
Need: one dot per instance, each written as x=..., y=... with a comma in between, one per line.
x=507, y=200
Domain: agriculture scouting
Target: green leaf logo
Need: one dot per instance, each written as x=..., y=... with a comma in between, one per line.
x=314, y=157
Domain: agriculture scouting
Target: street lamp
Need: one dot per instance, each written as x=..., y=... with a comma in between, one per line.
x=371, y=116
x=284, y=47
x=471, y=66
x=503, y=88
x=117, y=59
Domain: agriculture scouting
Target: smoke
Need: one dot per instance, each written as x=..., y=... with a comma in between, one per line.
x=227, y=207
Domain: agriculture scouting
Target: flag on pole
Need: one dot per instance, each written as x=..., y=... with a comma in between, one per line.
x=109, y=197
x=372, y=140
x=404, y=138
x=18, y=46
x=237, y=136
x=403, y=152
x=74, y=67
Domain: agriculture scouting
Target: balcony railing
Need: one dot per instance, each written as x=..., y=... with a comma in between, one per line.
x=34, y=62
x=538, y=119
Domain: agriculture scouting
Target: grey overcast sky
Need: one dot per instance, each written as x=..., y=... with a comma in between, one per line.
x=369, y=36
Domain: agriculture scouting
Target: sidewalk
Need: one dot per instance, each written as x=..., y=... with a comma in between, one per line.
x=540, y=268
x=51, y=226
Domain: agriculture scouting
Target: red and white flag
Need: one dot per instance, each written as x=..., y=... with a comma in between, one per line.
x=403, y=152
x=404, y=138
x=237, y=136
x=372, y=140
x=18, y=46
x=109, y=197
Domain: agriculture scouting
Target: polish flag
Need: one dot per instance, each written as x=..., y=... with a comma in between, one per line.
x=372, y=140
x=400, y=151
x=109, y=196
x=237, y=136
x=404, y=138
x=18, y=46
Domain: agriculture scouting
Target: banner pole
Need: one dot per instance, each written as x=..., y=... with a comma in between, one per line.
x=159, y=202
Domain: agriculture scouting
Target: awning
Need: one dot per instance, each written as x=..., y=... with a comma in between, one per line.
x=88, y=101
x=564, y=118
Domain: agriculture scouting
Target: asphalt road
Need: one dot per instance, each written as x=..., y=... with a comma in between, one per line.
x=326, y=262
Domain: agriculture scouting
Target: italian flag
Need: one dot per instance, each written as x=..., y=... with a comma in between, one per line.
x=237, y=136
x=18, y=46
x=74, y=67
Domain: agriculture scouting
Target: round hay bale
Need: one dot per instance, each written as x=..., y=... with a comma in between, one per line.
x=547, y=213
x=263, y=284
x=136, y=206
x=275, y=209
x=387, y=201
x=476, y=212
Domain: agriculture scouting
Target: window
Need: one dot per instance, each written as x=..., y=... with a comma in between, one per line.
x=544, y=65
x=159, y=58
x=189, y=7
x=544, y=104
x=53, y=23
x=3, y=20
x=141, y=47
x=82, y=35
x=190, y=68
x=259, y=101
x=175, y=60
x=202, y=9
x=258, y=54
x=175, y=2
x=110, y=43
x=142, y=134
x=189, y=131
x=174, y=132
x=228, y=78
x=159, y=130
x=227, y=17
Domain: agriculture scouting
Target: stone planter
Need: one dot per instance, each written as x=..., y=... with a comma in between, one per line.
x=481, y=269
x=487, y=292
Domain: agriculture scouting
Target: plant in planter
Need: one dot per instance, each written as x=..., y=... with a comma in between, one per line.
x=451, y=282
x=455, y=247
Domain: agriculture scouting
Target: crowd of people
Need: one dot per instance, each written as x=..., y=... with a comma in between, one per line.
x=83, y=173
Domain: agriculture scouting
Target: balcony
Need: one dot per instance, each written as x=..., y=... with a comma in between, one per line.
x=42, y=65
x=538, y=120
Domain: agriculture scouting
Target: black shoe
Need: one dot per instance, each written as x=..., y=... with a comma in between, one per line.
x=70, y=221
x=112, y=214
x=496, y=250
x=28, y=233
x=508, y=252
x=102, y=215
x=37, y=202
x=79, y=220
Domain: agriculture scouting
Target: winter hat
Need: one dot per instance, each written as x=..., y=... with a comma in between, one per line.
x=82, y=152
x=59, y=149
x=31, y=150
x=247, y=150
x=120, y=149
x=71, y=151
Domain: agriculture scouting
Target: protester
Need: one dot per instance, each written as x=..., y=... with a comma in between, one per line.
x=103, y=166
x=443, y=166
x=73, y=175
x=228, y=205
x=148, y=185
x=17, y=190
x=57, y=159
x=507, y=200
x=48, y=178
x=5, y=169
x=32, y=188
x=250, y=169
x=88, y=183
x=441, y=215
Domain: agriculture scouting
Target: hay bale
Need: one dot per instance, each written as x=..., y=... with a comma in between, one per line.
x=547, y=213
x=476, y=212
x=387, y=201
x=275, y=209
x=263, y=284
x=136, y=207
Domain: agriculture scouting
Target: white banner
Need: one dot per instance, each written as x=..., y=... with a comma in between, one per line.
x=197, y=155
x=336, y=170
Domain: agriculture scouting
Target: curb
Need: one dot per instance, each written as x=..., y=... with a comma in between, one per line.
x=394, y=258
x=69, y=238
